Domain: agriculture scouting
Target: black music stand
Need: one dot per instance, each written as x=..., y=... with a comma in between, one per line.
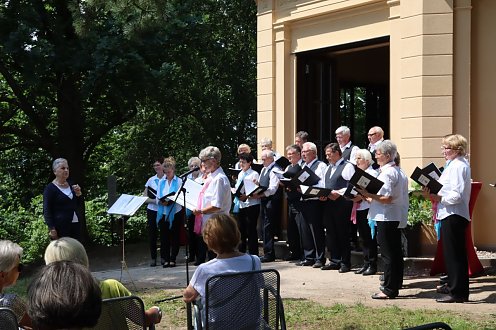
x=125, y=207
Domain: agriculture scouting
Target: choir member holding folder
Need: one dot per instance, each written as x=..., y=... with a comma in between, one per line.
x=151, y=188
x=337, y=210
x=360, y=212
x=453, y=212
x=247, y=208
x=311, y=227
x=389, y=208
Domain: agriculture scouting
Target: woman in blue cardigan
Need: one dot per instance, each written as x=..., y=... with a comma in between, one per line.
x=60, y=203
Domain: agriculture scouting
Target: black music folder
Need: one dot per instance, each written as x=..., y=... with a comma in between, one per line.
x=364, y=180
x=315, y=191
x=152, y=193
x=257, y=167
x=433, y=171
x=237, y=192
x=233, y=171
x=425, y=179
x=282, y=162
x=305, y=177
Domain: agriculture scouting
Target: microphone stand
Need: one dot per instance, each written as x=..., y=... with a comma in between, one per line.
x=189, y=316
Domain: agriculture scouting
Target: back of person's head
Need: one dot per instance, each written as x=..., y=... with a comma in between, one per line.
x=64, y=295
x=10, y=254
x=221, y=233
x=66, y=248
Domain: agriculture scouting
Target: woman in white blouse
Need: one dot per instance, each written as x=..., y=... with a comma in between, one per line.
x=389, y=208
x=453, y=212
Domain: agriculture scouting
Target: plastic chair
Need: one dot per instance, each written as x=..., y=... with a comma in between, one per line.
x=122, y=313
x=431, y=326
x=8, y=320
x=246, y=300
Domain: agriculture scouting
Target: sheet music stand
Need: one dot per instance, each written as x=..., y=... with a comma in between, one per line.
x=125, y=207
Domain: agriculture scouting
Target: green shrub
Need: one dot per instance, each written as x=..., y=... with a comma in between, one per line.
x=27, y=228
x=420, y=209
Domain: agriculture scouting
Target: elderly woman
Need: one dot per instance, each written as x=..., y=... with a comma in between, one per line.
x=389, y=208
x=151, y=188
x=52, y=307
x=60, y=203
x=364, y=161
x=215, y=196
x=222, y=236
x=69, y=249
x=169, y=216
x=10, y=268
x=453, y=212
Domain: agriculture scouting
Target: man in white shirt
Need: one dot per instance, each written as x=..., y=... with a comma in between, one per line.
x=375, y=136
x=311, y=227
x=270, y=203
x=348, y=149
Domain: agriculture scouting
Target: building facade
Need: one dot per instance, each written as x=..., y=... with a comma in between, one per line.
x=420, y=69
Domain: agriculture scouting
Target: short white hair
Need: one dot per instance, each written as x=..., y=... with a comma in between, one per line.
x=387, y=147
x=211, y=152
x=266, y=142
x=268, y=153
x=343, y=130
x=56, y=163
x=365, y=155
x=66, y=248
x=194, y=160
x=10, y=253
x=310, y=146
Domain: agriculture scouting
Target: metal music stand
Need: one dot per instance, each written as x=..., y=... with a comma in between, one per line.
x=125, y=207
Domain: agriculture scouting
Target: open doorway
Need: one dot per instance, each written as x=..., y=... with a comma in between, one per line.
x=343, y=85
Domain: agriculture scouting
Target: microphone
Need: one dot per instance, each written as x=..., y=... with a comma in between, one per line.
x=196, y=168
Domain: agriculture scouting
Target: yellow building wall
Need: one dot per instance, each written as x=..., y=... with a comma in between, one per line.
x=441, y=74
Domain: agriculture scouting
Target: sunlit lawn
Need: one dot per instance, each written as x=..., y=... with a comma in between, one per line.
x=305, y=314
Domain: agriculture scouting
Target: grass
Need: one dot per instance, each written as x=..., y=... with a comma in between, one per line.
x=306, y=314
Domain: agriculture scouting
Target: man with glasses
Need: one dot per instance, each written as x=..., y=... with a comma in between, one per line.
x=375, y=136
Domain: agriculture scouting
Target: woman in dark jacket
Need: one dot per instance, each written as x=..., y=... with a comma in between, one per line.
x=60, y=203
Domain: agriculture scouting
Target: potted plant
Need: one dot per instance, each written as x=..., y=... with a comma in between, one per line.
x=420, y=235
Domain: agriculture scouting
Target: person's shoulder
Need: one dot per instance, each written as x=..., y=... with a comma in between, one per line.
x=113, y=289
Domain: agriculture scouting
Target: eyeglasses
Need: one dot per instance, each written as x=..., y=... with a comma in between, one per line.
x=371, y=134
x=446, y=148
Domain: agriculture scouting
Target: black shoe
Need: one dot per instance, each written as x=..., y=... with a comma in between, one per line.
x=331, y=266
x=442, y=289
x=166, y=265
x=291, y=257
x=370, y=271
x=361, y=270
x=305, y=263
x=450, y=299
x=267, y=259
x=153, y=263
x=317, y=264
x=344, y=269
x=381, y=296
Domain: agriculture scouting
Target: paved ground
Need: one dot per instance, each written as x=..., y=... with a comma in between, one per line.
x=326, y=287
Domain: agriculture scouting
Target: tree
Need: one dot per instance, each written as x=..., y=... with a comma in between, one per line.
x=74, y=75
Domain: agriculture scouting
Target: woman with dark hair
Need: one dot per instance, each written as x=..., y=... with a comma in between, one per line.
x=60, y=203
x=151, y=188
x=64, y=295
x=248, y=208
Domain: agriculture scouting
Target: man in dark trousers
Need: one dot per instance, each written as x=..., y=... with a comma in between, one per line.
x=270, y=203
x=337, y=210
x=311, y=227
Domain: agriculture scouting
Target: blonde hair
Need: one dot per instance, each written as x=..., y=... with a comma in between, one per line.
x=66, y=248
x=456, y=142
x=169, y=162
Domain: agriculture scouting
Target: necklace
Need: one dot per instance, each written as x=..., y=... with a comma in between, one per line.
x=65, y=184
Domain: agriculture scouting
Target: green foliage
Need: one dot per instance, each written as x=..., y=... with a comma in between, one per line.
x=420, y=209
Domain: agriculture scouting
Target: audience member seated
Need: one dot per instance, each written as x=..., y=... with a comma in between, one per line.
x=64, y=295
x=10, y=268
x=221, y=234
x=67, y=248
